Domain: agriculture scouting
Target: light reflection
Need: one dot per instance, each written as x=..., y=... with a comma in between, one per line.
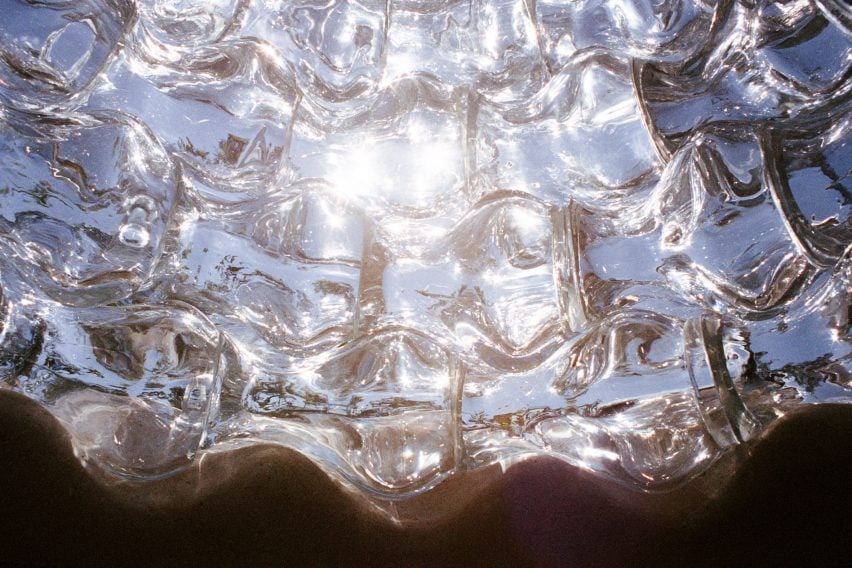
x=414, y=169
x=593, y=454
x=400, y=234
x=357, y=172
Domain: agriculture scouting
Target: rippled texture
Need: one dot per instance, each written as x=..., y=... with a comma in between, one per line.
x=412, y=238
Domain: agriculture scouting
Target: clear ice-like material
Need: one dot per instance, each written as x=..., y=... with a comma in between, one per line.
x=84, y=209
x=412, y=238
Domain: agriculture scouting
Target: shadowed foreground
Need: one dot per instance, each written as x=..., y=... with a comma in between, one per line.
x=262, y=506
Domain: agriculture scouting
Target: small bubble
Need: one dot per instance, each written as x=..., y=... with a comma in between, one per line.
x=133, y=235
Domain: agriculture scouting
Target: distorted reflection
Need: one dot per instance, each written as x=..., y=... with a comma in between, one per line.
x=412, y=238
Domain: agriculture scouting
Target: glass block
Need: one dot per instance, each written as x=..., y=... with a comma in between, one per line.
x=270, y=278
x=414, y=167
x=225, y=113
x=581, y=138
x=137, y=386
x=86, y=209
x=665, y=31
x=336, y=48
x=50, y=52
x=489, y=44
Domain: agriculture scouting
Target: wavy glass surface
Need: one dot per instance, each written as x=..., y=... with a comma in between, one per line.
x=410, y=238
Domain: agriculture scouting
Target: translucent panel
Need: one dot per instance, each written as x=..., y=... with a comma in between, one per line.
x=488, y=44
x=766, y=66
x=581, y=137
x=266, y=273
x=336, y=48
x=667, y=31
x=167, y=27
x=392, y=169
x=237, y=150
x=137, y=387
x=51, y=51
x=85, y=210
x=412, y=238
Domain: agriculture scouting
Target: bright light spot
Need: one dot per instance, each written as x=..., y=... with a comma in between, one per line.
x=491, y=35
x=591, y=453
x=418, y=132
x=428, y=460
x=441, y=380
x=399, y=65
x=490, y=276
x=410, y=170
x=431, y=158
x=356, y=172
x=332, y=219
x=527, y=223
x=268, y=50
x=309, y=377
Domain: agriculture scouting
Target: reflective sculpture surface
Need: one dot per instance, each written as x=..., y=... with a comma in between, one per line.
x=410, y=238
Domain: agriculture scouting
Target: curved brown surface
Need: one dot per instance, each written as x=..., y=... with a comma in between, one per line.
x=265, y=506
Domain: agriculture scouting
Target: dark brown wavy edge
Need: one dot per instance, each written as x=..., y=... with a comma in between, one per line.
x=778, y=502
